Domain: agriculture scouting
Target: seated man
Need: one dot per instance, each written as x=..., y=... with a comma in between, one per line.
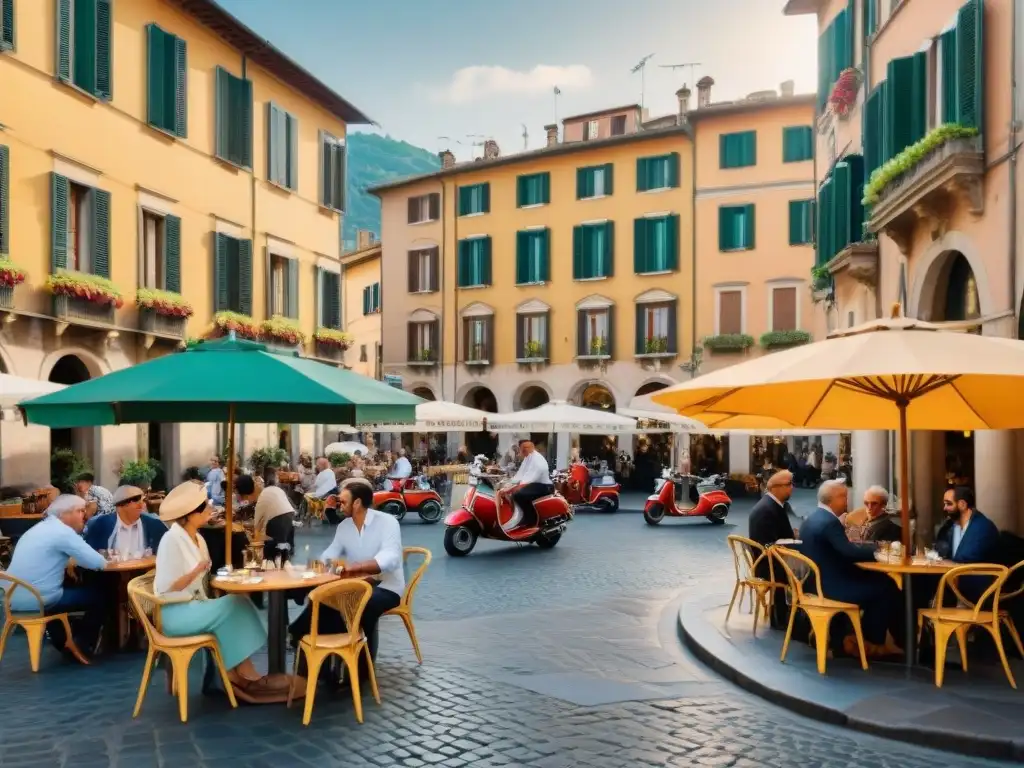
x=326, y=486
x=128, y=530
x=215, y=482
x=402, y=468
x=967, y=536
x=878, y=524
x=41, y=559
x=769, y=522
x=531, y=482
x=88, y=490
x=824, y=541
x=370, y=543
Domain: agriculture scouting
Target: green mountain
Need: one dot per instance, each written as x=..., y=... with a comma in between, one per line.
x=372, y=160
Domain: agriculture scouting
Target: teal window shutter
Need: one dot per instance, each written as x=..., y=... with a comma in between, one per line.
x=180, y=88
x=725, y=242
x=221, y=272
x=841, y=201
x=609, y=178
x=970, y=64
x=800, y=221
x=521, y=191
x=749, y=227
x=485, y=258
x=870, y=18
x=873, y=116
x=222, y=108
x=578, y=252
x=522, y=258
x=366, y=300
x=749, y=143
x=245, y=277
x=900, y=101
x=823, y=232
x=464, y=193
x=156, y=76
x=824, y=68
x=673, y=169
x=166, y=81
x=640, y=246
x=5, y=201
x=485, y=197
x=63, y=42
x=462, y=265
x=6, y=24
x=292, y=179
x=737, y=150
x=83, y=49
x=244, y=105
x=950, y=75
x=919, y=103
x=104, y=49
x=100, y=232
x=544, y=270
x=234, y=105
x=545, y=188
x=172, y=254
x=642, y=183
x=672, y=237
x=59, y=200
x=584, y=183
x=797, y=144
x=292, y=310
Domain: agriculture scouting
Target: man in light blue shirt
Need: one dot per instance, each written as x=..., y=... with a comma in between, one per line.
x=41, y=559
x=214, y=478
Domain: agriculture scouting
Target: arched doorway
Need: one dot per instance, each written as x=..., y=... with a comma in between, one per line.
x=599, y=447
x=420, y=444
x=424, y=393
x=483, y=442
x=72, y=450
x=534, y=397
x=652, y=451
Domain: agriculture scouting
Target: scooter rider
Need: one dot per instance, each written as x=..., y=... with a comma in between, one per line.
x=532, y=482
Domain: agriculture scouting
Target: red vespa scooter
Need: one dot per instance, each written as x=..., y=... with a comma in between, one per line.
x=589, y=492
x=481, y=517
x=397, y=496
x=678, y=495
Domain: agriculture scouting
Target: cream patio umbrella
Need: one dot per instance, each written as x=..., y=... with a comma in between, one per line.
x=439, y=416
x=559, y=416
x=888, y=374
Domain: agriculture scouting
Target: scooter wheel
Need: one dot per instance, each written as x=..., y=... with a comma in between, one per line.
x=394, y=509
x=459, y=541
x=430, y=512
x=654, y=514
x=547, y=541
x=718, y=514
x=609, y=504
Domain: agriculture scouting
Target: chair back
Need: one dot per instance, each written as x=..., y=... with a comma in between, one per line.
x=146, y=604
x=743, y=556
x=950, y=579
x=410, y=588
x=347, y=596
x=796, y=583
x=10, y=584
x=1014, y=581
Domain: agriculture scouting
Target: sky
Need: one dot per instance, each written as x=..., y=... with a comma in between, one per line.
x=450, y=73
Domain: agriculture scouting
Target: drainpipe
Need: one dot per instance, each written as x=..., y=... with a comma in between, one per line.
x=693, y=254
x=455, y=304
x=442, y=264
x=1012, y=149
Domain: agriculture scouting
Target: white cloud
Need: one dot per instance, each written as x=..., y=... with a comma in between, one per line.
x=481, y=82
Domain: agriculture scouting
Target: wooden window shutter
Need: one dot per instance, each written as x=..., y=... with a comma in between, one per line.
x=611, y=332
x=642, y=182
x=899, y=104
x=414, y=210
x=434, y=205
x=919, y=97
x=6, y=24
x=245, y=277
x=730, y=312
x=292, y=271
x=466, y=341
x=581, y=333
x=640, y=330
x=104, y=49
x=521, y=321
x=63, y=46
x=522, y=257
x=5, y=201
x=172, y=254
x=244, y=88
x=823, y=234
x=273, y=144
x=673, y=169
x=156, y=76
x=577, y=253
x=872, y=129
x=784, y=309
x=545, y=187
x=749, y=227
x=583, y=175
x=725, y=237
x=841, y=202
x=339, y=177
x=950, y=76
x=489, y=352
x=292, y=179
x=640, y=246
x=545, y=256
x=410, y=330
x=222, y=101
x=673, y=330
x=414, y=271
x=180, y=88
x=672, y=260
x=221, y=272
x=101, y=232
x=609, y=179
x=546, y=341
x=435, y=266
x=334, y=299
x=433, y=329
x=970, y=55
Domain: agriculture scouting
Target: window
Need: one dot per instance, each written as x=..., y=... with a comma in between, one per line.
x=362, y=353
x=784, y=309
x=593, y=250
x=474, y=262
x=6, y=25
x=283, y=288
x=282, y=147
x=656, y=244
x=332, y=172
x=533, y=248
x=839, y=210
x=730, y=312
x=736, y=228
x=477, y=339
x=80, y=227
x=801, y=218
x=594, y=332
x=657, y=172
x=5, y=203
x=328, y=294
x=619, y=125
x=534, y=189
x=532, y=337
x=475, y=199
x=232, y=274
x=835, y=53
x=656, y=328
x=423, y=342
x=737, y=150
x=233, y=97
x=167, y=81
x=797, y=144
x=590, y=130
x=371, y=299
x=425, y=208
x=161, y=251
x=423, y=270
x=594, y=181
x=84, y=45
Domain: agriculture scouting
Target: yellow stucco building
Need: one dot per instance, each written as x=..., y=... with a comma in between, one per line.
x=156, y=155
x=361, y=303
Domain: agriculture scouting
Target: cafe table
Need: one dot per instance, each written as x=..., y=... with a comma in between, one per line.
x=117, y=633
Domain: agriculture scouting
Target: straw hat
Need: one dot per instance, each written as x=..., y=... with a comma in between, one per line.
x=126, y=492
x=182, y=499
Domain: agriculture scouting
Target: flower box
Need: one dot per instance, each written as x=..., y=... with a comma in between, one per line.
x=782, y=339
x=329, y=351
x=6, y=297
x=331, y=343
x=84, y=288
x=729, y=342
x=72, y=309
x=164, y=303
x=281, y=330
x=224, y=322
x=844, y=93
x=151, y=321
x=10, y=276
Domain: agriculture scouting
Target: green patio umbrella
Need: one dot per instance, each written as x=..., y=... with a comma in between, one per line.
x=226, y=380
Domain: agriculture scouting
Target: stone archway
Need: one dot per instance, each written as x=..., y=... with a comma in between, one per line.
x=603, y=447
x=930, y=270
x=651, y=452
x=534, y=396
x=483, y=442
x=83, y=441
x=425, y=393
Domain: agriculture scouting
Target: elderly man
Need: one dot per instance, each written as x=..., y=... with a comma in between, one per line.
x=88, y=490
x=769, y=522
x=128, y=530
x=531, y=482
x=326, y=487
x=41, y=559
x=824, y=541
x=878, y=523
x=402, y=468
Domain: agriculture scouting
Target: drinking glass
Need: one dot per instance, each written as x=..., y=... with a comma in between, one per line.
x=147, y=552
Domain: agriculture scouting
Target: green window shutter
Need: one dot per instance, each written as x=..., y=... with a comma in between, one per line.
x=750, y=148
x=340, y=176
x=749, y=227
x=640, y=332
x=522, y=257
x=800, y=222
x=221, y=272
x=870, y=18
x=842, y=45
x=84, y=38
x=6, y=24
x=245, y=277
x=545, y=188
x=180, y=88
x=640, y=246
x=797, y=144
x=463, y=201
x=59, y=201
x=919, y=103
x=724, y=147
x=5, y=201
x=584, y=183
x=900, y=104
x=63, y=45
x=245, y=107
x=609, y=178
x=642, y=164
x=273, y=148
x=841, y=202
x=545, y=256
x=293, y=288
x=156, y=77
x=727, y=240
x=376, y=297
x=823, y=233
x=293, y=152
x=104, y=49
x=222, y=103
x=608, y=255
x=873, y=116
x=462, y=266
x=366, y=299
x=100, y=232
x=970, y=57
x=824, y=42
x=673, y=169
x=521, y=195
x=486, y=197
x=172, y=254
x=672, y=238
x=578, y=253
x=950, y=75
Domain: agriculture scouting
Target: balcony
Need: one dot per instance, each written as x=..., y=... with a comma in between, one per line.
x=857, y=261
x=154, y=326
x=926, y=194
x=72, y=310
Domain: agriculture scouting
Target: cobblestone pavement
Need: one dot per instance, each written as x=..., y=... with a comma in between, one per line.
x=541, y=659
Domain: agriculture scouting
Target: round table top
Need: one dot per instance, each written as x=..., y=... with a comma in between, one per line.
x=135, y=564
x=915, y=566
x=272, y=581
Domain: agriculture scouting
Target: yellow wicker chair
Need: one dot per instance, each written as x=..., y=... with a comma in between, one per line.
x=404, y=609
x=179, y=650
x=762, y=591
x=820, y=610
x=956, y=621
x=315, y=508
x=33, y=622
x=348, y=597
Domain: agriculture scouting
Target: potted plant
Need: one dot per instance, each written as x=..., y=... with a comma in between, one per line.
x=426, y=355
x=533, y=350
x=81, y=295
x=10, y=276
x=657, y=345
x=226, y=321
x=598, y=346
x=782, y=339
x=729, y=342
x=339, y=459
x=266, y=461
x=137, y=473
x=162, y=311
x=331, y=342
x=282, y=330
x=65, y=467
x=844, y=93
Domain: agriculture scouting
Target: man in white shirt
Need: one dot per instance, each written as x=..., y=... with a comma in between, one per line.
x=370, y=543
x=402, y=468
x=214, y=478
x=325, y=486
x=532, y=482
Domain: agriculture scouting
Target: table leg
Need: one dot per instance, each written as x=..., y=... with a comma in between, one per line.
x=277, y=631
x=910, y=641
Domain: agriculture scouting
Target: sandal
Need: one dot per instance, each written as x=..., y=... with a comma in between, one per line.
x=266, y=690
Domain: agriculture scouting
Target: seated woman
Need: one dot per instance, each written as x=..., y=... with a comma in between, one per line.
x=274, y=520
x=182, y=562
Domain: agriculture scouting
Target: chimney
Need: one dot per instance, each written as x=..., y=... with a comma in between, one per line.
x=787, y=88
x=683, y=94
x=552, y=134
x=364, y=239
x=447, y=159
x=704, y=92
x=491, y=151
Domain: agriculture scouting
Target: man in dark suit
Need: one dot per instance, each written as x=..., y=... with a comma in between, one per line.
x=824, y=541
x=967, y=536
x=128, y=529
x=769, y=521
x=879, y=526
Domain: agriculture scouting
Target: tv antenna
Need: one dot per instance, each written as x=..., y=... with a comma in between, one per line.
x=691, y=64
x=642, y=69
x=526, y=138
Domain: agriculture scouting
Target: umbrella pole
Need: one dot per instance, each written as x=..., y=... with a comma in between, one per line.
x=230, y=491
x=904, y=484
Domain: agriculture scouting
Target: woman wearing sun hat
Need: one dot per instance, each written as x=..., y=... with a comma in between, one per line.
x=182, y=562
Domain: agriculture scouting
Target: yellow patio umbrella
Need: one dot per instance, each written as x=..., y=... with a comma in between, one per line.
x=898, y=373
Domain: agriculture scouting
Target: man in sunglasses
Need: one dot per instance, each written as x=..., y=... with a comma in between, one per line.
x=129, y=530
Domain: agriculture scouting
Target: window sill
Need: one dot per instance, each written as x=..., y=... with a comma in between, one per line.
x=591, y=279
x=531, y=360
x=422, y=363
x=656, y=355
x=164, y=133
x=532, y=205
x=531, y=284
x=658, y=272
x=655, y=191
x=736, y=167
x=421, y=223
x=422, y=291
x=232, y=165
x=592, y=358
x=472, y=287
x=281, y=187
x=801, y=160
x=84, y=94
x=473, y=215
x=595, y=197
x=741, y=249
x=801, y=245
x=326, y=209
x=477, y=363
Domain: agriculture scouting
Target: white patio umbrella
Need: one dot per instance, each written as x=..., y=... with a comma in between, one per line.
x=439, y=416
x=14, y=389
x=350, y=447
x=559, y=416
